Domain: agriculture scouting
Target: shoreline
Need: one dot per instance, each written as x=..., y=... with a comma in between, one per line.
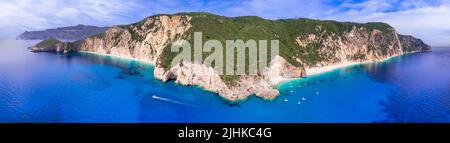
x=116, y=56
x=318, y=71
x=325, y=69
x=315, y=71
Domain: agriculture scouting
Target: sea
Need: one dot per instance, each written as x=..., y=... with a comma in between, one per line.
x=93, y=88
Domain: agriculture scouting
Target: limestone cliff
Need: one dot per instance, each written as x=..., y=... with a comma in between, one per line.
x=411, y=44
x=360, y=44
x=144, y=40
x=304, y=43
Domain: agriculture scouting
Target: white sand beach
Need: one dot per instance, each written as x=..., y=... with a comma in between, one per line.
x=319, y=70
x=324, y=69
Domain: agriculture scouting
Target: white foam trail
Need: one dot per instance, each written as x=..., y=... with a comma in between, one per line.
x=170, y=100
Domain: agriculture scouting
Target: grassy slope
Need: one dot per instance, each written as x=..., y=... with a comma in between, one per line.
x=251, y=27
x=47, y=43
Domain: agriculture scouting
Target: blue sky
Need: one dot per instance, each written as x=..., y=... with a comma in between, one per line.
x=426, y=19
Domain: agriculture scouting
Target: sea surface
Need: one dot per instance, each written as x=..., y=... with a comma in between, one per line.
x=82, y=87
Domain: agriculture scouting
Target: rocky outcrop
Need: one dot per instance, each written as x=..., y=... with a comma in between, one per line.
x=360, y=44
x=307, y=44
x=77, y=32
x=52, y=45
x=188, y=73
x=411, y=44
x=144, y=40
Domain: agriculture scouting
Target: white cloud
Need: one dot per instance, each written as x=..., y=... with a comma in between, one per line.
x=20, y=15
x=424, y=19
x=429, y=20
x=275, y=9
x=368, y=6
x=427, y=23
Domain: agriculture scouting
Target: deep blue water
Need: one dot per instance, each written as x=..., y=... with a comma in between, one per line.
x=49, y=87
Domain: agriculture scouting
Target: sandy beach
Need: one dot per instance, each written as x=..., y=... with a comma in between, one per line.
x=319, y=70
x=324, y=69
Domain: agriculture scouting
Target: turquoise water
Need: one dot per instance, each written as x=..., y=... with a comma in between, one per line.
x=81, y=87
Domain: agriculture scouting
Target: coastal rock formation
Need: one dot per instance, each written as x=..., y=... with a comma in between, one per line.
x=144, y=40
x=411, y=44
x=188, y=73
x=77, y=32
x=304, y=45
x=52, y=45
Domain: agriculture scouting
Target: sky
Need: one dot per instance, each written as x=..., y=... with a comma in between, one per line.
x=425, y=19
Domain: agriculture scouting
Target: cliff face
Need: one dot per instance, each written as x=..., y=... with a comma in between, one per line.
x=360, y=44
x=411, y=44
x=304, y=44
x=144, y=40
x=245, y=85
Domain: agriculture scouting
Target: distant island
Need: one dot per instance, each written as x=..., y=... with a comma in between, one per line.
x=307, y=47
x=70, y=33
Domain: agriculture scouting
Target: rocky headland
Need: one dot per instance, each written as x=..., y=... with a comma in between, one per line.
x=70, y=33
x=306, y=47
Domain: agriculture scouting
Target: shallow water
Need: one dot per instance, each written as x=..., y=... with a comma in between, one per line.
x=48, y=87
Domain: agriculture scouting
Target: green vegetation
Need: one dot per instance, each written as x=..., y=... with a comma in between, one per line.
x=251, y=27
x=76, y=43
x=132, y=28
x=383, y=27
x=47, y=43
x=311, y=53
x=99, y=35
x=359, y=56
x=135, y=35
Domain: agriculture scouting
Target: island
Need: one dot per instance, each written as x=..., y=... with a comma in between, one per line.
x=306, y=47
x=70, y=33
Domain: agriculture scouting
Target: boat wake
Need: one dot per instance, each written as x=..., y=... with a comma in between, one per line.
x=171, y=101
